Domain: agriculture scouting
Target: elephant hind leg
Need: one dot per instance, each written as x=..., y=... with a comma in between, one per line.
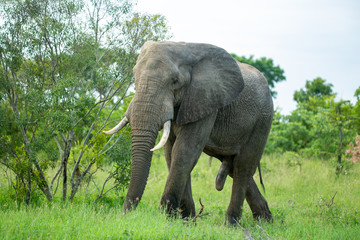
x=257, y=202
x=239, y=186
x=244, y=167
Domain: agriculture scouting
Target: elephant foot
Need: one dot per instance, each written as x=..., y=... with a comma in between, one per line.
x=233, y=216
x=231, y=220
x=262, y=212
x=170, y=205
x=187, y=208
x=257, y=203
x=172, y=208
x=130, y=204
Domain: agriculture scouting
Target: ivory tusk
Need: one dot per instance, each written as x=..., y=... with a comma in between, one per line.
x=164, y=137
x=118, y=127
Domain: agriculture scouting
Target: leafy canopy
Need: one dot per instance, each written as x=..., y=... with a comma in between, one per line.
x=315, y=88
x=273, y=74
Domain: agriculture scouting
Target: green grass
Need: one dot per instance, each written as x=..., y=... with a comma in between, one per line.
x=307, y=202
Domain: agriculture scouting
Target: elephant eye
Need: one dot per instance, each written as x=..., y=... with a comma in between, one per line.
x=175, y=80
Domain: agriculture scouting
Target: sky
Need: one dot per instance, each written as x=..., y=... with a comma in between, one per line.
x=306, y=38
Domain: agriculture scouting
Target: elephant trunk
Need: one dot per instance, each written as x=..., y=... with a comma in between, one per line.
x=145, y=124
x=142, y=142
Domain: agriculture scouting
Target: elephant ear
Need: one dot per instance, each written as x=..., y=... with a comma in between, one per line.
x=216, y=81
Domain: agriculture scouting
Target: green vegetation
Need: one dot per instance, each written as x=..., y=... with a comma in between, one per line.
x=65, y=75
x=321, y=126
x=308, y=201
x=272, y=73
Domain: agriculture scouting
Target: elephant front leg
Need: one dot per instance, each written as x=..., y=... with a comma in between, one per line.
x=187, y=206
x=170, y=202
x=177, y=196
x=189, y=144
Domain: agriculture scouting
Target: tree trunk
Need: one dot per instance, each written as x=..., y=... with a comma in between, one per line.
x=28, y=187
x=65, y=160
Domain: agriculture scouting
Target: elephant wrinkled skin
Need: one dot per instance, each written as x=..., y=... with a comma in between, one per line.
x=215, y=105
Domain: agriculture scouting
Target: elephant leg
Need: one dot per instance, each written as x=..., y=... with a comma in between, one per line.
x=244, y=167
x=239, y=186
x=257, y=202
x=187, y=206
x=189, y=144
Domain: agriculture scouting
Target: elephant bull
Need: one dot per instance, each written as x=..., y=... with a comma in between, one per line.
x=205, y=101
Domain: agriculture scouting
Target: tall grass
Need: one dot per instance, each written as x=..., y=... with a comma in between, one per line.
x=308, y=201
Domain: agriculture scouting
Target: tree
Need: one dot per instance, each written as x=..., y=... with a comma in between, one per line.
x=315, y=88
x=289, y=133
x=63, y=79
x=320, y=126
x=272, y=73
x=330, y=129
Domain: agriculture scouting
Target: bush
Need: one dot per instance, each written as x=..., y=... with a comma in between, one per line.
x=120, y=155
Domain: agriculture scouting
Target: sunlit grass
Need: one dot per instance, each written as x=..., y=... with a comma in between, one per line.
x=307, y=199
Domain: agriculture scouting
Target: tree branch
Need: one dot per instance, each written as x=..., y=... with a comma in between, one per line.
x=78, y=180
x=199, y=214
x=91, y=179
x=54, y=178
x=81, y=153
x=103, y=187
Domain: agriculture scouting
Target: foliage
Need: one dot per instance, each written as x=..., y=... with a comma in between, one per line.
x=290, y=136
x=121, y=156
x=65, y=68
x=321, y=126
x=315, y=88
x=272, y=73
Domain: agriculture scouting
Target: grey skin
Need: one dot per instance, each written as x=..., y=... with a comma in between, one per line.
x=216, y=105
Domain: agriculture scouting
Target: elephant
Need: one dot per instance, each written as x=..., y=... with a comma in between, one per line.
x=205, y=101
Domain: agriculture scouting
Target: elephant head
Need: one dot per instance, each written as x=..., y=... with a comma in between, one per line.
x=178, y=83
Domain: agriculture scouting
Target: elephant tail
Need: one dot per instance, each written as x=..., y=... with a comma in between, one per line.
x=261, y=181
